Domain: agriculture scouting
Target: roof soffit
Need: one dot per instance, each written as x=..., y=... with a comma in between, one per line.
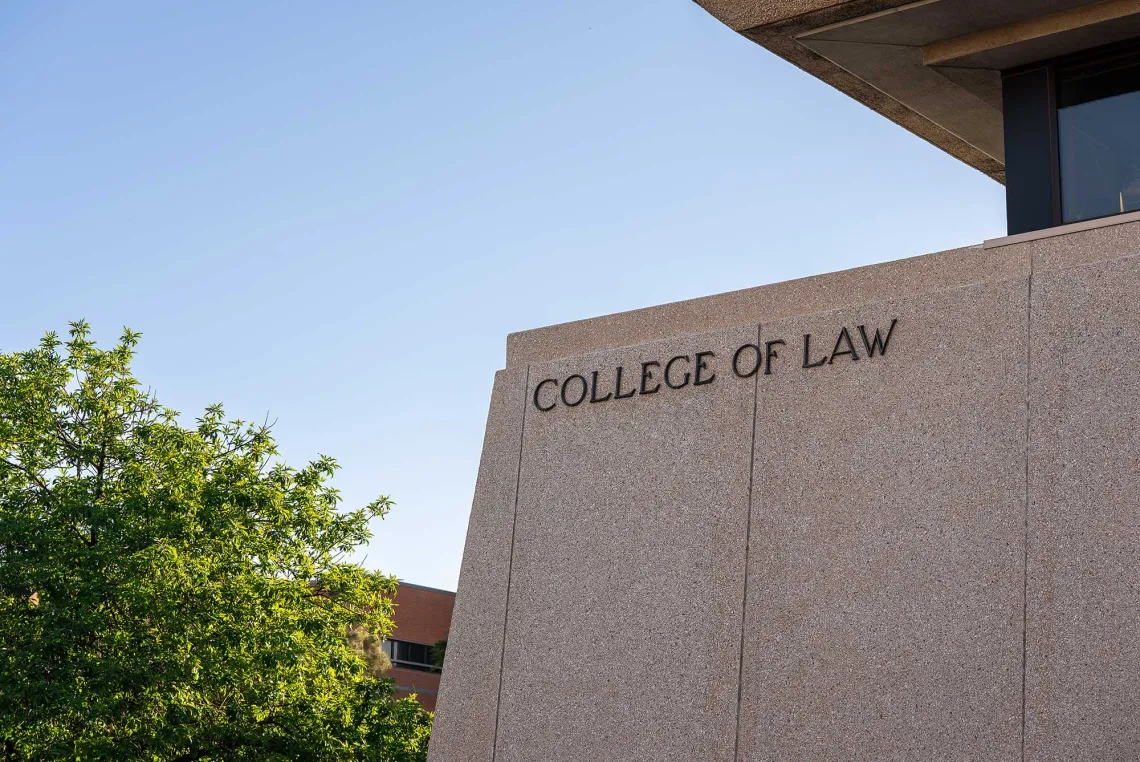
x=931, y=66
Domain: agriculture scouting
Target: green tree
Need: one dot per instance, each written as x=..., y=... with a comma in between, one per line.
x=371, y=648
x=438, y=652
x=172, y=594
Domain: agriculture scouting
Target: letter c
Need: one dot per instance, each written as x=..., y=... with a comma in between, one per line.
x=538, y=389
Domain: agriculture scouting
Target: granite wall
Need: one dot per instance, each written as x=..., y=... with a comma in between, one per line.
x=886, y=514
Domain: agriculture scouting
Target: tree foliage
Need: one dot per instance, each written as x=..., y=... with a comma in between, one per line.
x=173, y=594
x=370, y=646
x=438, y=652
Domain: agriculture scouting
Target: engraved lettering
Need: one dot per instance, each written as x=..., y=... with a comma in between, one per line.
x=770, y=354
x=807, y=354
x=617, y=386
x=844, y=336
x=647, y=376
x=669, y=373
x=538, y=390
x=737, y=357
x=748, y=361
x=879, y=344
x=594, y=398
x=581, y=397
x=700, y=365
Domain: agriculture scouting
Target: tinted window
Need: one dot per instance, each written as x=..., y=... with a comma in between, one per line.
x=1098, y=118
x=410, y=655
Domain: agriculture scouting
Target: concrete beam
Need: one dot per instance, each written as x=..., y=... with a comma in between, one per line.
x=947, y=51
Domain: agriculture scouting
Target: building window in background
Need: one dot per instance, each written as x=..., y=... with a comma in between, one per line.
x=408, y=655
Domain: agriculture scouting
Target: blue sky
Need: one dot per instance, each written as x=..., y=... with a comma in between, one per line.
x=333, y=213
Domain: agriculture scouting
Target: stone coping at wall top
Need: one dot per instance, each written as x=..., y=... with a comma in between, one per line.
x=995, y=260
x=1074, y=227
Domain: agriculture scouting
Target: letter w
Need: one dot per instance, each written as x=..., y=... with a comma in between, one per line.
x=879, y=344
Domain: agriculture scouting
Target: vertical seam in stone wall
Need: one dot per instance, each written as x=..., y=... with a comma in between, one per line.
x=747, y=546
x=510, y=567
x=1025, y=511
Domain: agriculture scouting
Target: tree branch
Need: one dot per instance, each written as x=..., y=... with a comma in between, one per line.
x=26, y=472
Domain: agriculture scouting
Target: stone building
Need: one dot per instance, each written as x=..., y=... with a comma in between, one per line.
x=891, y=513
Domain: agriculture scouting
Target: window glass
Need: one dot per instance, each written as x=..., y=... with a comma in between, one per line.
x=1098, y=116
x=410, y=655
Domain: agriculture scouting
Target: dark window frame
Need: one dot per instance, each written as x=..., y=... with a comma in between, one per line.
x=392, y=646
x=1032, y=141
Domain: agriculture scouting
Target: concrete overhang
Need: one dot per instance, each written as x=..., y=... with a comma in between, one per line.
x=932, y=66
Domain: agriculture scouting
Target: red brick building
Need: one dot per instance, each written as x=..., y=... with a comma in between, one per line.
x=423, y=617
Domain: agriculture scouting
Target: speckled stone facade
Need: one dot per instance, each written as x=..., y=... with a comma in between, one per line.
x=469, y=697
x=930, y=552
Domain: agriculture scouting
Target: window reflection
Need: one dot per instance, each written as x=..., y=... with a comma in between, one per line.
x=1099, y=133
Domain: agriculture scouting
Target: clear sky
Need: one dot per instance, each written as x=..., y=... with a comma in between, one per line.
x=333, y=213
